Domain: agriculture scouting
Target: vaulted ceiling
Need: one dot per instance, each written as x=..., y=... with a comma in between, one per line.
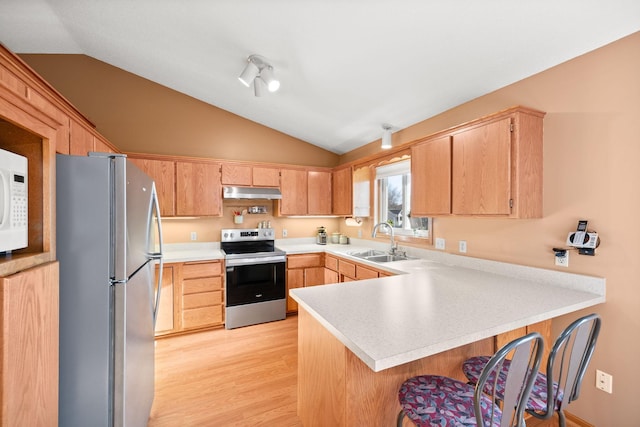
x=345, y=66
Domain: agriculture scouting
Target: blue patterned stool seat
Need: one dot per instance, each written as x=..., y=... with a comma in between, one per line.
x=537, y=400
x=436, y=401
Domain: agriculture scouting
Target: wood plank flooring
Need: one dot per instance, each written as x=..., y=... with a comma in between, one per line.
x=241, y=377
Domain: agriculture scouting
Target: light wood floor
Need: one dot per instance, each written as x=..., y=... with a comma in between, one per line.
x=242, y=377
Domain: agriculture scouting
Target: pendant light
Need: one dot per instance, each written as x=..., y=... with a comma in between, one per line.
x=386, y=137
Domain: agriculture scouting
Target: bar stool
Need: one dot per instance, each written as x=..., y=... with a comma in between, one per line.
x=568, y=361
x=437, y=401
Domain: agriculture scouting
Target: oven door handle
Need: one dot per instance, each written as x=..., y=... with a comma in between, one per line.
x=236, y=262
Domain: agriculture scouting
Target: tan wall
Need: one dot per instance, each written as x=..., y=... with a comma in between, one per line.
x=151, y=118
x=591, y=154
x=178, y=230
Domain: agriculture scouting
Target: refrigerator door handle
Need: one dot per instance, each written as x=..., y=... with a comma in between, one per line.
x=157, y=255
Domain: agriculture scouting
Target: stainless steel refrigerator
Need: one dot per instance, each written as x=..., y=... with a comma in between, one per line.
x=109, y=238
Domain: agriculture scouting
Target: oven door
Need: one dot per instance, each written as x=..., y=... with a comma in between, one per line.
x=254, y=281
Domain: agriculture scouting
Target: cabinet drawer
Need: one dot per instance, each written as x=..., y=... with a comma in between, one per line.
x=202, y=269
x=203, y=284
x=365, y=273
x=306, y=260
x=203, y=316
x=202, y=299
x=331, y=262
x=346, y=268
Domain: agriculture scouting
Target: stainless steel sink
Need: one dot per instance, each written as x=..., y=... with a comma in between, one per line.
x=379, y=256
x=368, y=253
x=387, y=258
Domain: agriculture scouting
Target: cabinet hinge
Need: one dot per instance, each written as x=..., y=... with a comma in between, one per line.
x=510, y=203
x=511, y=127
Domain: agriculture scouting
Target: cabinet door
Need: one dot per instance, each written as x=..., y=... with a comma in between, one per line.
x=80, y=139
x=319, y=193
x=295, y=279
x=198, y=189
x=362, y=192
x=331, y=276
x=431, y=177
x=102, y=145
x=342, y=192
x=164, y=174
x=29, y=349
x=236, y=174
x=166, y=314
x=293, y=186
x=481, y=172
x=266, y=177
x=314, y=276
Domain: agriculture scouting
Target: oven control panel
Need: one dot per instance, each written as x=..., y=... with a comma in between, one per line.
x=243, y=235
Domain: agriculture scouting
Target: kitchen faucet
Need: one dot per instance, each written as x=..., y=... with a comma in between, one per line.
x=393, y=249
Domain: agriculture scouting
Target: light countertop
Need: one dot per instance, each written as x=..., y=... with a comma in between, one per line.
x=435, y=303
x=185, y=252
x=440, y=304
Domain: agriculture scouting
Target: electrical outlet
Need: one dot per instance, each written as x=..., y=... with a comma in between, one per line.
x=440, y=243
x=194, y=235
x=284, y=232
x=462, y=246
x=562, y=260
x=359, y=233
x=604, y=381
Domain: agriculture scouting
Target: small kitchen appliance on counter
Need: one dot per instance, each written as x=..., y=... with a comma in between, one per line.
x=255, y=288
x=321, y=238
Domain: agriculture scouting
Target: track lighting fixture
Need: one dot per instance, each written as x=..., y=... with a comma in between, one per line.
x=386, y=137
x=260, y=72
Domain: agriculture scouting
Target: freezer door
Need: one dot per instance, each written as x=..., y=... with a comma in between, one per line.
x=134, y=350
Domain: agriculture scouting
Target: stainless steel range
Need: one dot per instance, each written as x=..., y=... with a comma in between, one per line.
x=255, y=285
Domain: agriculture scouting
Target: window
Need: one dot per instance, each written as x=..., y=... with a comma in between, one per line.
x=393, y=192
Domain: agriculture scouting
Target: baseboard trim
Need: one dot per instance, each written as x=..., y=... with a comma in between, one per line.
x=577, y=420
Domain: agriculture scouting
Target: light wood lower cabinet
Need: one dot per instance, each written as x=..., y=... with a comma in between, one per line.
x=192, y=297
x=320, y=268
x=29, y=348
x=165, y=320
x=303, y=270
x=347, y=270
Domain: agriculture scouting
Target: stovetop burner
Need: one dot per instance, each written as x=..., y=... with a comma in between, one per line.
x=254, y=242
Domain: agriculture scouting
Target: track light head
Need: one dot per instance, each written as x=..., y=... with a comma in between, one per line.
x=260, y=72
x=249, y=73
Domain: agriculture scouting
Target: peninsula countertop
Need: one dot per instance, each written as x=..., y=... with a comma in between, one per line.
x=441, y=304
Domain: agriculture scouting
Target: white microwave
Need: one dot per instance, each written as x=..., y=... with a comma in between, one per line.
x=13, y=201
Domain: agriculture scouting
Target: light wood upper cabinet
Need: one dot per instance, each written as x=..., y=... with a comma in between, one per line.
x=294, y=188
x=431, y=177
x=250, y=175
x=80, y=139
x=342, y=192
x=236, y=174
x=198, y=189
x=163, y=172
x=481, y=170
x=494, y=164
x=266, y=177
x=319, y=193
x=83, y=140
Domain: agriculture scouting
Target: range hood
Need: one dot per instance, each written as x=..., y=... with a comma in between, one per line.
x=251, y=193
